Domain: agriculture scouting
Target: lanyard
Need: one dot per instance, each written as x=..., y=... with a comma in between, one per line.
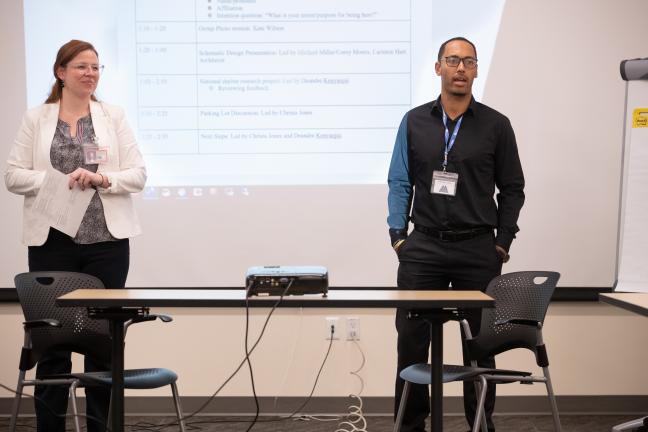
x=449, y=140
x=79, y=134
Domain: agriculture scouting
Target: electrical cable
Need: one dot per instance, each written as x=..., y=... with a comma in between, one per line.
x=319, y=372
x=309, y=397
x=355, y=416
x=142, y=426
x=19, y=427
x=51, y=410
x=238, y=368
x=247, y=349
x=249, y=363
x=293, y=355
x=270, y=420
x=354, y=421
x=248, y=352
x=145, y=426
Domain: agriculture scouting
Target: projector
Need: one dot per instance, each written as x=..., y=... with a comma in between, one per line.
x=273, y=280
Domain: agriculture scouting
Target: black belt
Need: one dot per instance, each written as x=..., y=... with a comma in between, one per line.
x=453, y=235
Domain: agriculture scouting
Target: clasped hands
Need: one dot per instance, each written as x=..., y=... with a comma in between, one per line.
x=85, y=179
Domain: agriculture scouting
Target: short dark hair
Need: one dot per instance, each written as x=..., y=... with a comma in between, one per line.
x=458, y=38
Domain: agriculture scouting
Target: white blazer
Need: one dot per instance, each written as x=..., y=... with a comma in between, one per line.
x=29, y=160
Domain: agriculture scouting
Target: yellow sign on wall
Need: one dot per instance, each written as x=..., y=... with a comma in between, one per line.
x=640, y=118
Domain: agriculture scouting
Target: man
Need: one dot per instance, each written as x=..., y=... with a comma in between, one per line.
x=449, y=156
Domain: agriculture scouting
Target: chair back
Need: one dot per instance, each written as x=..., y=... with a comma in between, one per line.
x=37, y=292
x=520, y=295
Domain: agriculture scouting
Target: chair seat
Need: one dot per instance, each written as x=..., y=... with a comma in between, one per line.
x=133, y=378
x=420, y=373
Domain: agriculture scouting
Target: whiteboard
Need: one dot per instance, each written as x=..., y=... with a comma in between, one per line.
x=633, y=236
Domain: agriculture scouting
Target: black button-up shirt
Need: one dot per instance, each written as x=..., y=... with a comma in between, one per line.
x=484, y=155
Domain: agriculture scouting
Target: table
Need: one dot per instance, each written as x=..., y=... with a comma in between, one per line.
x=633, y=302
x=637, y=303
x=120, y=305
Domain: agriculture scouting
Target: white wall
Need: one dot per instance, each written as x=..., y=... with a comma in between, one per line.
x=594, y=349
x=555, y=73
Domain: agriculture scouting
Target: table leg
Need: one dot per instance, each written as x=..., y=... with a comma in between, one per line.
x=116, y=318
x=117, y=394
x=436, y=371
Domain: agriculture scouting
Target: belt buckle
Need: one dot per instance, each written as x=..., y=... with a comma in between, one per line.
x=446, y=236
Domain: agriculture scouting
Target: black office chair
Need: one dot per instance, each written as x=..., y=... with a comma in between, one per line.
x=521, y=302
x=48, y=327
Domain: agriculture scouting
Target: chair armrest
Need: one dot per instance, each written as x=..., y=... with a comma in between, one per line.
x=140, y=319
x=28, y=325
x=526, y=322
x=164, y=318
x=149, y=317
x=466, y=328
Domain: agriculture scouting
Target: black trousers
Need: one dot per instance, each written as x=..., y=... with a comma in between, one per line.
x=109, y=262
x=429, y=263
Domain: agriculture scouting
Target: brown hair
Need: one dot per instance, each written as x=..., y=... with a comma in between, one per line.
x=66, y=53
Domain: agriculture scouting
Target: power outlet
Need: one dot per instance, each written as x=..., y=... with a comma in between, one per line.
x=332, y=324
x=353, y=328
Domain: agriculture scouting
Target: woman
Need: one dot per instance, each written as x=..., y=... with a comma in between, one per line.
x=92, y=143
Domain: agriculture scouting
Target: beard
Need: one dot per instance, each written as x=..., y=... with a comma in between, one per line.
x=455, y=90
x=459, y=91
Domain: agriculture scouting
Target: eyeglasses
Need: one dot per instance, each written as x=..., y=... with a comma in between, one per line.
x=469, y=62
x=90, y=68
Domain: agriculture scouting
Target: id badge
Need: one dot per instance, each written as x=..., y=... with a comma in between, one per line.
x=93, y=154
x=444, y=183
